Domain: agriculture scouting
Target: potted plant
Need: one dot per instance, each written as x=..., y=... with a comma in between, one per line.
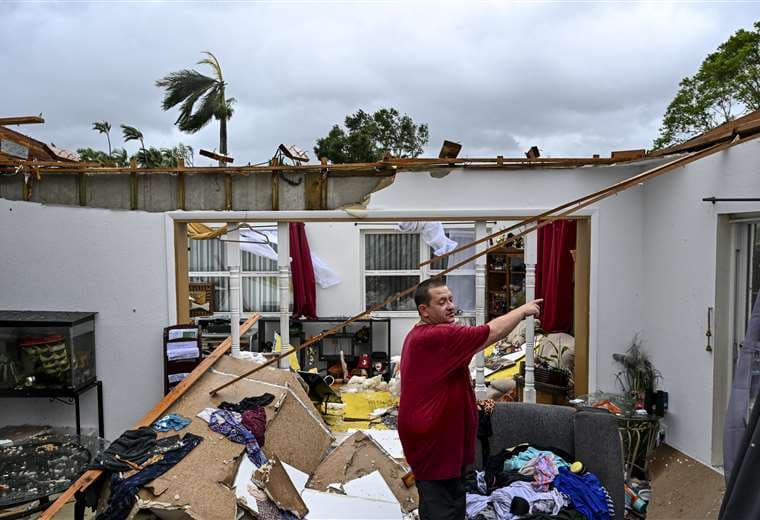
x=549, y=369
x=638, y=375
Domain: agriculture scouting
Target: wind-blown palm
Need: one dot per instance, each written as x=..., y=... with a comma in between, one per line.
x=104, y=127
x=131, y=133
x=200, y=98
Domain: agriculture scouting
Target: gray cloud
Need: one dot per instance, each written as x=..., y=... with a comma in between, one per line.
x=574, y=79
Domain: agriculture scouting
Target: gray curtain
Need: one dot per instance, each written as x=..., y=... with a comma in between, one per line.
x=743, y=390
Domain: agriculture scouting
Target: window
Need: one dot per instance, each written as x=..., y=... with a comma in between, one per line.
x=207, y=263
x=390, y=266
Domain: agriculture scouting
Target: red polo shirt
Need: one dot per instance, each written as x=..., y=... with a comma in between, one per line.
x=437, y=417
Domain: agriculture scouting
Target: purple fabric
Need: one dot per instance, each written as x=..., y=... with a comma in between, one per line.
x=256, y=422
x=546, y=470
x=736, y=414
x=223, y=422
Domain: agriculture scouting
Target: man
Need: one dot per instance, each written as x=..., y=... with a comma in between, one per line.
x=437, y=416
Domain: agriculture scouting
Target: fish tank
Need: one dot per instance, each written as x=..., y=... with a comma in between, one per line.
x=42, y=350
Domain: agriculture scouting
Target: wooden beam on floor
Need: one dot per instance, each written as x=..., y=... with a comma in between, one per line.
x=152, y=416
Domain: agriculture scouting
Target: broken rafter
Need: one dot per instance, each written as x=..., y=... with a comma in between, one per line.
x=21, y=120
x=152, y=416
x=216, y=156
x=573, y=206
x=381, y=167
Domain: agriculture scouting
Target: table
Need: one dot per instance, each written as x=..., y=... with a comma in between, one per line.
x=638, y=433
x=65, y=393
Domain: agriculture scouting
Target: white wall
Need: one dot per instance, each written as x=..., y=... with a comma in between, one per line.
x=109, y=262
x=679, y=245
x=616, y=249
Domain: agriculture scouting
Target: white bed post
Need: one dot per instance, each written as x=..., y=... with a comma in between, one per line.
x=283, y=283
x=233, y=266
x=480, y=307
x=531, y=257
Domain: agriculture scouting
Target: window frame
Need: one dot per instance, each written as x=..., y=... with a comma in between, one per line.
x=243, y=274
x=423, y=273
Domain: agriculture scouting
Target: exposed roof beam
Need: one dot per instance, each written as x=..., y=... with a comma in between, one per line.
x=21, y=120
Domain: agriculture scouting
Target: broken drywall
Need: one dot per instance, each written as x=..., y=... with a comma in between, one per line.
x=360, y=455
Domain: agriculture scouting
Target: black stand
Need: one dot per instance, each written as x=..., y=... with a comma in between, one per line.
x=68, y=393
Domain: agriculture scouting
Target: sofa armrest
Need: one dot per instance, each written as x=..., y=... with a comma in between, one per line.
x=598, y=446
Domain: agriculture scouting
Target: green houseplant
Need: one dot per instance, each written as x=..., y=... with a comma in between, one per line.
x=638, y=374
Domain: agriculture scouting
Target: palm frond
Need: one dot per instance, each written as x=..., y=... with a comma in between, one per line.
x=102, y=126
x=209, y=107
x=131, y=133
x=182, y=85
x=214, y=64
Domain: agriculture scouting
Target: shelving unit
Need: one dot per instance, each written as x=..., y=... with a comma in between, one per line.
x=505, y=281
x=180, y=343
x=327, y=351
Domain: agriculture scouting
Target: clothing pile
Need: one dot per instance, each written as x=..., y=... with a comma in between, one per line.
x=135, y=459
x=536, y=483
x=245, y=423
x=138, y=456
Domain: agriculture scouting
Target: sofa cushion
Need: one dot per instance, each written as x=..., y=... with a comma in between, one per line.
x=541, y=424
x=598, y=446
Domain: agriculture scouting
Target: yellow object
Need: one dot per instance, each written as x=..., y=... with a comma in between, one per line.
x=576, y=467
x=197, y=231
x=506, y=373
x=292, y=358
x=359, y=405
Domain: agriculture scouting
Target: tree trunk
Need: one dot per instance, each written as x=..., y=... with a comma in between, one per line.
x=222, y=138
x=109, y=144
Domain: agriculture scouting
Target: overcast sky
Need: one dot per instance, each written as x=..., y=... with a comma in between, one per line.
x=573, y=78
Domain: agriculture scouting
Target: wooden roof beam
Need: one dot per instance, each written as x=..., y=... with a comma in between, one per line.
x=21, y=120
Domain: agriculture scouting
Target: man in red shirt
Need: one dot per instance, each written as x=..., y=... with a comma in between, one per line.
x=437, y=417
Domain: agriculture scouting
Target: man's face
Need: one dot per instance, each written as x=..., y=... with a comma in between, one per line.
x=441, y=307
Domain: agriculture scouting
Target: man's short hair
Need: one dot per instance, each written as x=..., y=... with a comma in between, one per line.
x=422, y=294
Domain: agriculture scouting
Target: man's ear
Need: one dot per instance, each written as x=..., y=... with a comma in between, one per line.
x=422, y=310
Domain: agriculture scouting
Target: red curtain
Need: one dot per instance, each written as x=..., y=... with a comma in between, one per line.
x=554, y=275
x=304, y=286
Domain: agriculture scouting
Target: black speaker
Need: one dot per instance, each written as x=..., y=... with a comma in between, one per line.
x=660, y=403
x=649, y=401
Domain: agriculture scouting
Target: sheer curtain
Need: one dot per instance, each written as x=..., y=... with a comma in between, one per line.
x=461, y=281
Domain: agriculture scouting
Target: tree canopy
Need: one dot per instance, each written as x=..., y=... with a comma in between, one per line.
x=727, y=85
x=369, y=137
x=200, y=98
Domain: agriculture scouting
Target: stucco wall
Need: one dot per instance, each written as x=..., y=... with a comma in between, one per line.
x=679, y=282
x=109, y=262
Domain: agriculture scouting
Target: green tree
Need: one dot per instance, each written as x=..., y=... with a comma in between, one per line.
x=200, y=97
x=104, y=127
x=726, y=85
x=370, y=137
x=93, y=156
x=131, y=133
x=118, y=157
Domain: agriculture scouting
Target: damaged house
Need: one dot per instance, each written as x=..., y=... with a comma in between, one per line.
x=669, y=260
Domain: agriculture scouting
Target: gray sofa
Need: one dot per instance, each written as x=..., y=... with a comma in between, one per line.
x=590, y=434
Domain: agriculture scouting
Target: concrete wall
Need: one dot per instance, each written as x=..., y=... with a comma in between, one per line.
x=679, y=283
x=110, y=262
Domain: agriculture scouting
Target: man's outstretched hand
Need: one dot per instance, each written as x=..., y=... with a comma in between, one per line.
x=532, y=308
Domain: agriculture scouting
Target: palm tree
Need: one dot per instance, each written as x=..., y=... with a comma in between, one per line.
x=131, y=133
x=187, y=87
x=104, y=127
x=119, y=157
